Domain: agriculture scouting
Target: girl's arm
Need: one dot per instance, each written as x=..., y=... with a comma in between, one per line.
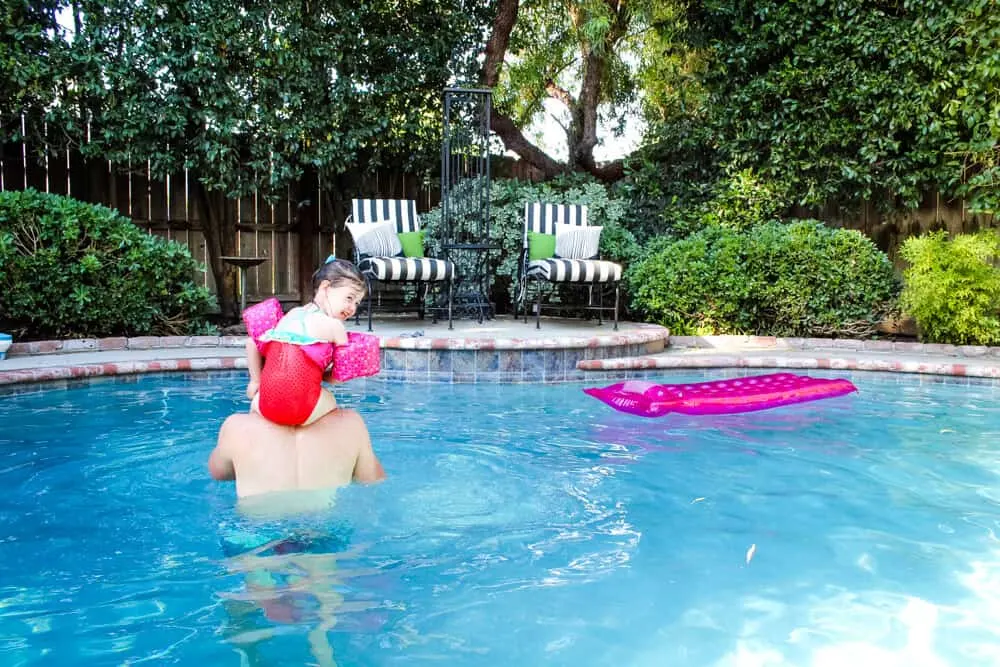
x=328, y=329
x=255, y=362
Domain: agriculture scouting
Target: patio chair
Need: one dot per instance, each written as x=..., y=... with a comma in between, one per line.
x=560, y=248
x=389, y=248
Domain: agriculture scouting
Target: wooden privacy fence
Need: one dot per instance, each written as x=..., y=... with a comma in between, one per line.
x=170, y=208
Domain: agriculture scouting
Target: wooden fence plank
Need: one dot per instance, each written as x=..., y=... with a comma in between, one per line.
x=169, y=208
x=11, y=166
x=35, y=172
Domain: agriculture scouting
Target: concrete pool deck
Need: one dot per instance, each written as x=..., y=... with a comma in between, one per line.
x=506, y=350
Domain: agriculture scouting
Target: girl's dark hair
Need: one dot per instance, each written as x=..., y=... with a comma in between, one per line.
x=338, y=272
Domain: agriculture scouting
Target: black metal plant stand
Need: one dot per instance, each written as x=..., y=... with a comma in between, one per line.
x=473, y=278
x=465, y=199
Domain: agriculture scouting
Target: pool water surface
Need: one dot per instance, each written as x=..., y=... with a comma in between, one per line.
x=520, y=524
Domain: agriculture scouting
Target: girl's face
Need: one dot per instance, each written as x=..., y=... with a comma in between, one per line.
x=340, y=302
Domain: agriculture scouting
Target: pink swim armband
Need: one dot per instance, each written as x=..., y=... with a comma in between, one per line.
x=359, y=358
x=260, y=318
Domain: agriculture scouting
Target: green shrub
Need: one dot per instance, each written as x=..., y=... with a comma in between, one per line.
x=797, y=279
x=668, y=178
x=675, y=199
x=741, y=201
x=71, y=269
x=952, y=287
x=693, y=285
x=507, y=200
x=814, y=280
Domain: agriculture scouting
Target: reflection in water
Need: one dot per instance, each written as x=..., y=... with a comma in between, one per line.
x=298, y=581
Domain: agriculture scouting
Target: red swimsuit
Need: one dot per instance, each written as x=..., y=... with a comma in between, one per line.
x=290, y=382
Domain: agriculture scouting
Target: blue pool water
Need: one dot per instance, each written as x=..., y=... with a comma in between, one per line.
x=520, y=525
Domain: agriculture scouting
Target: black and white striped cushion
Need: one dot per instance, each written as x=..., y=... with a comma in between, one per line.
x=543, y=218
x=403, y=211
x=575, y=270
x=578, y=242
x=407, y=268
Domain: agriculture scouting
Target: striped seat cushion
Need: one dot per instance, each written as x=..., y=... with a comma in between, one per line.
x=575, y=270
x=407, y=268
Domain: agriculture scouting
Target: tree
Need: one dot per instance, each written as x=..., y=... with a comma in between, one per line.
x=254, y=96
x=846, y=101
x=976, y=105
x=576, y=53
x=32, y=54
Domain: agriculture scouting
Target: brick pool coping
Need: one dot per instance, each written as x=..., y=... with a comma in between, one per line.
x=812, y=353
x=409, y=359
x=513, y=360
x=91, y=370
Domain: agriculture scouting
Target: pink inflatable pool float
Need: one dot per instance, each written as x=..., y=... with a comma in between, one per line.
x=759, y=392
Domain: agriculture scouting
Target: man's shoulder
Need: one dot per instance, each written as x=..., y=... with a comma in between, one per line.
x=342, y=416
x=237, y=420
x=343, y=425
x=242, y=423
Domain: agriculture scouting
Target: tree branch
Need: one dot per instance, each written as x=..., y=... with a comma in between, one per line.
x=558, y=93
x=496, y=46
x=608, y=172
x=514, y=140
x=582, y=133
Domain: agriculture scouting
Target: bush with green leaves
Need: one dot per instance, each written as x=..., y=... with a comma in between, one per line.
x=795, y=279
x=71, y=269
x=741, y=200
x=692, y=285
x=677, y=191
x=671, y=175
x=507, y=201
x=952, y=287
x=843, y=101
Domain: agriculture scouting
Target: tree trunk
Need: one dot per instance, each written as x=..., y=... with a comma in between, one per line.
x=220, y=240
x=310, y=254
x=582, y=135
x=496, y=46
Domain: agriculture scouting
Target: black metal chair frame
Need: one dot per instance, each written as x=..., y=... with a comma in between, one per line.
x=405, y=210
x=423, y=287
x=522, y=302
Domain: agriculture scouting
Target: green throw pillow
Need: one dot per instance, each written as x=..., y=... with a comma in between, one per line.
x=541, y=246
x=413, y=243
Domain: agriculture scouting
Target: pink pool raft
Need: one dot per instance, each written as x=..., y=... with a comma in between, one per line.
x=759, y=392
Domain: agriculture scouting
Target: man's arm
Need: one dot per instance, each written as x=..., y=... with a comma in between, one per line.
x=220, y=462
x=367, y=467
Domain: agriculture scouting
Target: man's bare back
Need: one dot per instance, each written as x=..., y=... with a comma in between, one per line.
x=264, y=457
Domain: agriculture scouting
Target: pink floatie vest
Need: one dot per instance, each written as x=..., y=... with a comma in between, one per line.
x=360, y=357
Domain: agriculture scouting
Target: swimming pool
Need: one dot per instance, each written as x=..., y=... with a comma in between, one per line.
x=521, y=524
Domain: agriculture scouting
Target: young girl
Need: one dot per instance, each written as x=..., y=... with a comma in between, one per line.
x=299, y=349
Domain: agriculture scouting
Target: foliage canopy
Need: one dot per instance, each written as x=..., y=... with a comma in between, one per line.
x=842, y=101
